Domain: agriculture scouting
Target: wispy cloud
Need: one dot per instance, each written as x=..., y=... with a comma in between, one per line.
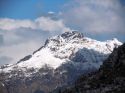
x=41, y=23
x=95, y=16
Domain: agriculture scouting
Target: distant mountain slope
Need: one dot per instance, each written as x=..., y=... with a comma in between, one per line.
x=58, y=63
x=109, y=79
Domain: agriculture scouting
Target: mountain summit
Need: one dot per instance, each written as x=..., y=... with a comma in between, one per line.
x=57, y=63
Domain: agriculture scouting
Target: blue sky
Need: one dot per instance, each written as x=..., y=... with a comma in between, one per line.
x=32, y=9
x=26, y=24
x=29, y=9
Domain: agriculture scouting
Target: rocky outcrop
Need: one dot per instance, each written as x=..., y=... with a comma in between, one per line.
x=3, y=88
x=109, y=79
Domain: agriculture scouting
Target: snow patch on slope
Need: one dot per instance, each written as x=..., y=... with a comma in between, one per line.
x=41, y=58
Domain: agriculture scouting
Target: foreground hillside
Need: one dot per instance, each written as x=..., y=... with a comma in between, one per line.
x=109, y=79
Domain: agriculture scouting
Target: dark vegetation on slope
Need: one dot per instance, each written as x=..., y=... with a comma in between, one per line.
x=109, y=79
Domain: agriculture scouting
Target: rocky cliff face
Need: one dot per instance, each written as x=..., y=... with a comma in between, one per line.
x=58, y=63
x=109, y=79
x=3, y=88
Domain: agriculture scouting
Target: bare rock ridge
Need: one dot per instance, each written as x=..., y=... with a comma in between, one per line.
x=59, y=62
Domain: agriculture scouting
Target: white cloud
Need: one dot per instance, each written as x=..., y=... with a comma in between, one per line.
x=22, y=37
x=95, y=16
x=41, y=23
x=51, y=12
x=18, y=51
x=47, y=24
x=11, y=24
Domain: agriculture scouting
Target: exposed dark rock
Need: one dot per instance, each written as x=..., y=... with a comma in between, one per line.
x=109, y=79
x=38, y=50
x=74, y=34
x=25, y=58
x=3, y=88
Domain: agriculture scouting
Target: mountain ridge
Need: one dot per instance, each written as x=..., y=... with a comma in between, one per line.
x=66, y=37
x=58, y=62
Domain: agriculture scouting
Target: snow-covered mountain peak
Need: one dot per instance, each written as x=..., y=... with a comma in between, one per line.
x=72, y=35
x=68, y=47
x=115, y=41
x=64, y=38
x=74, y=38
